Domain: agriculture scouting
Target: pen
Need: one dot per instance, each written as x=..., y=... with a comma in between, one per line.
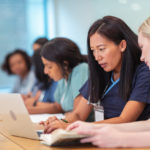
x=64, y=120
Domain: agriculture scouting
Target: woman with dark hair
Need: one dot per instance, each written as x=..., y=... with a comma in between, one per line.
x=39, y=43
x=118, y=81
x=135, y=134
x=43, y=90
x=18, y=63
x=64, y=63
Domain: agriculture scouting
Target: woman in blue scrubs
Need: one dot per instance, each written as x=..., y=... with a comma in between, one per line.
x=64, y=64
x=44, y=88
x=134, y=134
x=118, y=81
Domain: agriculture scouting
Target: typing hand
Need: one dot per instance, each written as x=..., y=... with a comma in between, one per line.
x=49, y=120
x=78, y=126
x=55, y=125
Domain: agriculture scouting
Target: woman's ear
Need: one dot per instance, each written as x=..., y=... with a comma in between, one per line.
x=66, y=63
x=123, y=45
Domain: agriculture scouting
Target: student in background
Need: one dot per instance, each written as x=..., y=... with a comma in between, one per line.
x=134, y=134
x=64, y=63
x=118, y=81
x=18, y=63
x=43, y=90
x=39, y=43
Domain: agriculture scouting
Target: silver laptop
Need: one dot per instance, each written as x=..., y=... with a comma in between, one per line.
x=14, y=117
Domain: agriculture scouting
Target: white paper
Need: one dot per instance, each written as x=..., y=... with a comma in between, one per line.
x=60, y=135
x=36, y=118
x=46, y=139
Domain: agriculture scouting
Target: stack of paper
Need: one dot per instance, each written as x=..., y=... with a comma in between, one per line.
x=43, y=117
x=60, y=137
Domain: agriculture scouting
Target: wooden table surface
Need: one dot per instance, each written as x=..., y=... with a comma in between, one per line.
x=8, y=142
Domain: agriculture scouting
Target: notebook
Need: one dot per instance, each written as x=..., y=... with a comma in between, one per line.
x=61, y=137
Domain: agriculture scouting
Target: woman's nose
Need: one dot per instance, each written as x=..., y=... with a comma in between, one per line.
x=97, y=55
x=45, y=70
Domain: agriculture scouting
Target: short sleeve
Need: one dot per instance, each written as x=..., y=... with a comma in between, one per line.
x=84, y=90
x=141, y=84
x=79, y=76
x=58, y=92
x=68, y=90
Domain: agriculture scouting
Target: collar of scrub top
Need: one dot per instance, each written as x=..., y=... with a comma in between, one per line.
x=106, y=90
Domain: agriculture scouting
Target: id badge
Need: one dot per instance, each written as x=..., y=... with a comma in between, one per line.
x=99, y=112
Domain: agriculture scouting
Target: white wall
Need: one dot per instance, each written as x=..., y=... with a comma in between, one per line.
x=22, y=21
x=34, y=22
x=74, y=17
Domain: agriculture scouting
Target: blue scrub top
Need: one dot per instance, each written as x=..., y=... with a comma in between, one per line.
x=49, y=93
x=113, y=104
x=67, y=91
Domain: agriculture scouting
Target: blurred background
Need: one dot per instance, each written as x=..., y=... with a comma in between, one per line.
x=23, y=21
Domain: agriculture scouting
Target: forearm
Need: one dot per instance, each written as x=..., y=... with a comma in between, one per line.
x=134, y=126
x=77, y=115
x=78, y=112
x=45, y=108
x=124, y=126
x=71, y=117
x=115, y=120
x=132, y=139
x=130, y=113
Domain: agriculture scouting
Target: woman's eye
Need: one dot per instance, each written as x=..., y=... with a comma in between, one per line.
x=49, y=67
x=101, y=49
x=98, y=50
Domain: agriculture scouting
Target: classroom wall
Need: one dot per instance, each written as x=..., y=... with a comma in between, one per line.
x=74, y=17
x=12, y=32
x=23, y=20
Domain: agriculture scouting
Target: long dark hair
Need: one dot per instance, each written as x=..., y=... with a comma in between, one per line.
x=60, y=50
x=115, y=30
x=41, y=41
x=39, y=70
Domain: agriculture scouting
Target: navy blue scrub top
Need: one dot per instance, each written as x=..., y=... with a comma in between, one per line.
x=113, y=104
